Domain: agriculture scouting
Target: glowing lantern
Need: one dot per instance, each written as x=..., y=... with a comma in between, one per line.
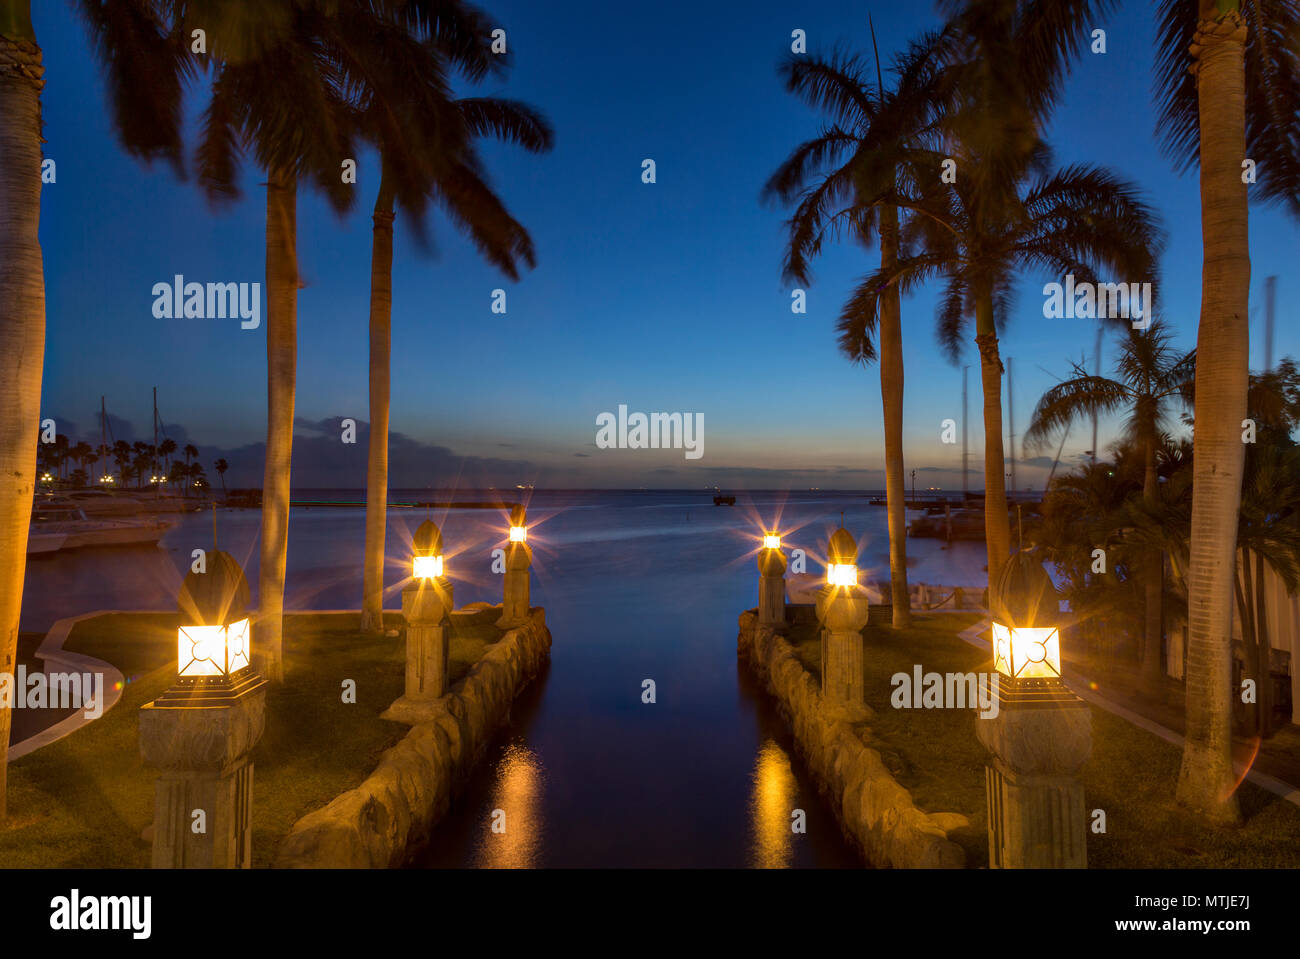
x=427, y=561
x=1027, y=652
x=842, y=559
x=518, y=524
x=1026, y=641
x=214, y=640
x=772, y=541
x=213, y=650
x=427, y=567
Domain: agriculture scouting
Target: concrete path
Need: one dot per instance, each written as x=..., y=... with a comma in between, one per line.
x=56, y=659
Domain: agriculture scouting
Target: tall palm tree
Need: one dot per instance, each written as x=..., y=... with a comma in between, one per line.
x=1229, y=90
x=144, y=74
x=1151, y=376
x=22, y=320
x=820, y=175
x=425, y=143
x=994, y=73
x=1077, y=220
x=221, y=466
x=279, y=92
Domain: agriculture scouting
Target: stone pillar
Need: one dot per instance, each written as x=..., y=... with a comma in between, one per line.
x=206, y=776
x=842, y=611
x=426, y=604
x=1037, y=818
x=771, y=589
x=515, y=606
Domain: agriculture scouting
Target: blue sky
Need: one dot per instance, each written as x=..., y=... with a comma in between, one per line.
x=663, y=297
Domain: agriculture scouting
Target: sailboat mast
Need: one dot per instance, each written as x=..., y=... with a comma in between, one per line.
x=157, y=489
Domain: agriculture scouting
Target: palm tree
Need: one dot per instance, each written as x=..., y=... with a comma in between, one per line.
x=279, y=92
x=992, y=76
x=122, y=456
x=22, y=320
x=1151, y=376
x=425, y=142
x=145, y=70
x=165, y=449
x=221, y=466
x=819, y=175
x=1229, y=90
x=1077, y=221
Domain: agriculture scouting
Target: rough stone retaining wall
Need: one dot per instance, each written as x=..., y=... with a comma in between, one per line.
x=876, y=813
x=382, y=822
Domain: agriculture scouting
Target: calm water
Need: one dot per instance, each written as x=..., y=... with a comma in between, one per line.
x=636, y=586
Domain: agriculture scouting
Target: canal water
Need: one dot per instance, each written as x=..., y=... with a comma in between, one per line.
x=638, y=586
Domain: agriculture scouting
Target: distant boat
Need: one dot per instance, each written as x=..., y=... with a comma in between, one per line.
x=59, y=524
x=721, y=500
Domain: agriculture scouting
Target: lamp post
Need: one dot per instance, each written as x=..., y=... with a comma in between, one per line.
x=426, y=604
x=1041, y=734
x=771, y=583
x=519, y=557
x=842, y=609
x=200, y=733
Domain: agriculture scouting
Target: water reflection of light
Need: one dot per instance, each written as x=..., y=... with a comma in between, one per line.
x=517, y=792
x=771, y=805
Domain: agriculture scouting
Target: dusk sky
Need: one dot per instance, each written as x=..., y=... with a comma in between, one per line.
x=663, y=297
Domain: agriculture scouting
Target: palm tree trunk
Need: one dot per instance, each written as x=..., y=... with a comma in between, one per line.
x=997, y=524
x=891, y=397
x=281, y=374
x=381, y=304
x=22, y=322
x=1153, y=588
x=1206, y=781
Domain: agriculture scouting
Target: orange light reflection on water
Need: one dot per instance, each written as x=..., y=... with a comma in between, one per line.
x=512, y=829
x=771, y=805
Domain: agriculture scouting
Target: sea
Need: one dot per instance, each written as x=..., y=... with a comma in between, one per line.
x=638, y=585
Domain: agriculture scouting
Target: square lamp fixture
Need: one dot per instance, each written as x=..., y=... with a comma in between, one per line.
x=772, y=541
x=428, y=567
x=842, y=574
x=213, y=652
x=1027, y=653
x=518, y=534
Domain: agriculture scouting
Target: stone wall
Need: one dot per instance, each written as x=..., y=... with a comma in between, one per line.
x=876, y=813
x=386, y=819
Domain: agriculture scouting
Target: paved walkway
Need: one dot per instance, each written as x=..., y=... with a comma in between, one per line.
x=1276, y=758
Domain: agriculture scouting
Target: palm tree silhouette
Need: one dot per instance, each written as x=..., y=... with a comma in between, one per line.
x=1151, y=377
x=1228, y=89
x=821, y=176
x=425, y=142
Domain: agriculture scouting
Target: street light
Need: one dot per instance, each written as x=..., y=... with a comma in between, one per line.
x=518, y=525
x=1026, y=638
x=427, y=561
x=842, y=559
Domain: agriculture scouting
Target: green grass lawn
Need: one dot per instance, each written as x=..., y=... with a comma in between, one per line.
x=1131, y=774
x=84, y=800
